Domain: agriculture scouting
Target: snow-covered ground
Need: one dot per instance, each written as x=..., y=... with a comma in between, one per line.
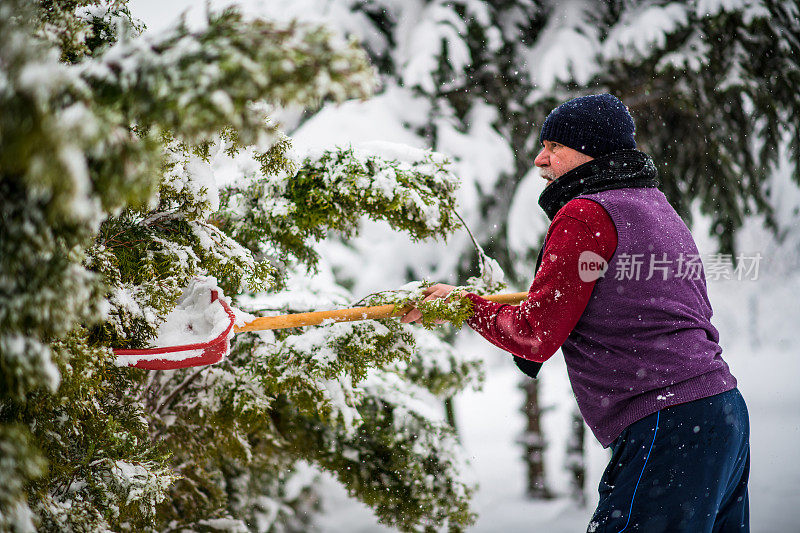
x=490, y=421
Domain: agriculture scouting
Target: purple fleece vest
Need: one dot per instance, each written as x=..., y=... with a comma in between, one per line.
x=644, y=344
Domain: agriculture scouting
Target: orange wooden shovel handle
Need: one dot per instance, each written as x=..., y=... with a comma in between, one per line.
x=350, y=315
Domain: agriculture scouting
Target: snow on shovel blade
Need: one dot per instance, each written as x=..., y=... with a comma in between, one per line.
x=183, y=356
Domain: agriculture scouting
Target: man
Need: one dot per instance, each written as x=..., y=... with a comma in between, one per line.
x=620, y=289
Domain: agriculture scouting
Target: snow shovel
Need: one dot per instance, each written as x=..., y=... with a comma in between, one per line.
x=210, y=352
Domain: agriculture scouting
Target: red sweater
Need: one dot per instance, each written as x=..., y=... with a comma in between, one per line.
x=538, y=327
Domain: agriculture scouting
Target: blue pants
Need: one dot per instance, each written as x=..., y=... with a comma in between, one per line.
x=684, y=468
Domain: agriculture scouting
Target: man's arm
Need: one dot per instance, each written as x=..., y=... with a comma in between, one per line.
x=537, y=328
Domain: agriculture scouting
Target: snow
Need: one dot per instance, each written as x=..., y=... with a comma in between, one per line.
x=750, y=8
x=74, y=161
x=424, y=29
x=304, y=293
x=496, y=158
x=228, y=525
x=643, y=30
x=338, y=394
x=20, y=347
x=378, y=119
x=191, y=325
x=94, y=11
x=398, y=152
x=195, y=319
x=132, y=360
x=42, y=79
x=202, y=178
x=566, y=47
x=409, y=398
x=22, y=518
x=526, y=225
x=693, y=57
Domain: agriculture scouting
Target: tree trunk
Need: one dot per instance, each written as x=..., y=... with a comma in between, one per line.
x=576, y=458
x=534, y=442
x=450, y=413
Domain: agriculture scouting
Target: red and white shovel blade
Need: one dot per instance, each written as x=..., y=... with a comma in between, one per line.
x=185, y=356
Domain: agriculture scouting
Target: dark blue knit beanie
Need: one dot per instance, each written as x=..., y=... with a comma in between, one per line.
x=594, y=125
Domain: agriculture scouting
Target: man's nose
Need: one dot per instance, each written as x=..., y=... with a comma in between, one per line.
x=541, y=159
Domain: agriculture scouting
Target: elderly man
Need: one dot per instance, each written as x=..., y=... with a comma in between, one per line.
x=619, y=287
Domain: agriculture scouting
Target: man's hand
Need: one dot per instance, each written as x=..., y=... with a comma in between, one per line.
x=440, y=290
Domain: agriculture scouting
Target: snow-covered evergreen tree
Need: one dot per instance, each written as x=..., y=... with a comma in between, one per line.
x=110, y=208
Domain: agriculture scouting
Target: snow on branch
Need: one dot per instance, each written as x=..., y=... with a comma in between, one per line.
x=332, y=191
x=197, y=82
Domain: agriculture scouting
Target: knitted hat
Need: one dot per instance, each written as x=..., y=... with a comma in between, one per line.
x=594, y=125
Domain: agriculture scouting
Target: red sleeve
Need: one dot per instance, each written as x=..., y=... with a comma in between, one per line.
x=538, y=327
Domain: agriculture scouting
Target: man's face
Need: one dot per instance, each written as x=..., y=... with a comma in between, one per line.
x=556, y=160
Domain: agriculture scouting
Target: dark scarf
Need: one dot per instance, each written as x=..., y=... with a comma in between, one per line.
x=617, y=170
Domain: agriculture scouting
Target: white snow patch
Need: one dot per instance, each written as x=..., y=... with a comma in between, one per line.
x=195, y=319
